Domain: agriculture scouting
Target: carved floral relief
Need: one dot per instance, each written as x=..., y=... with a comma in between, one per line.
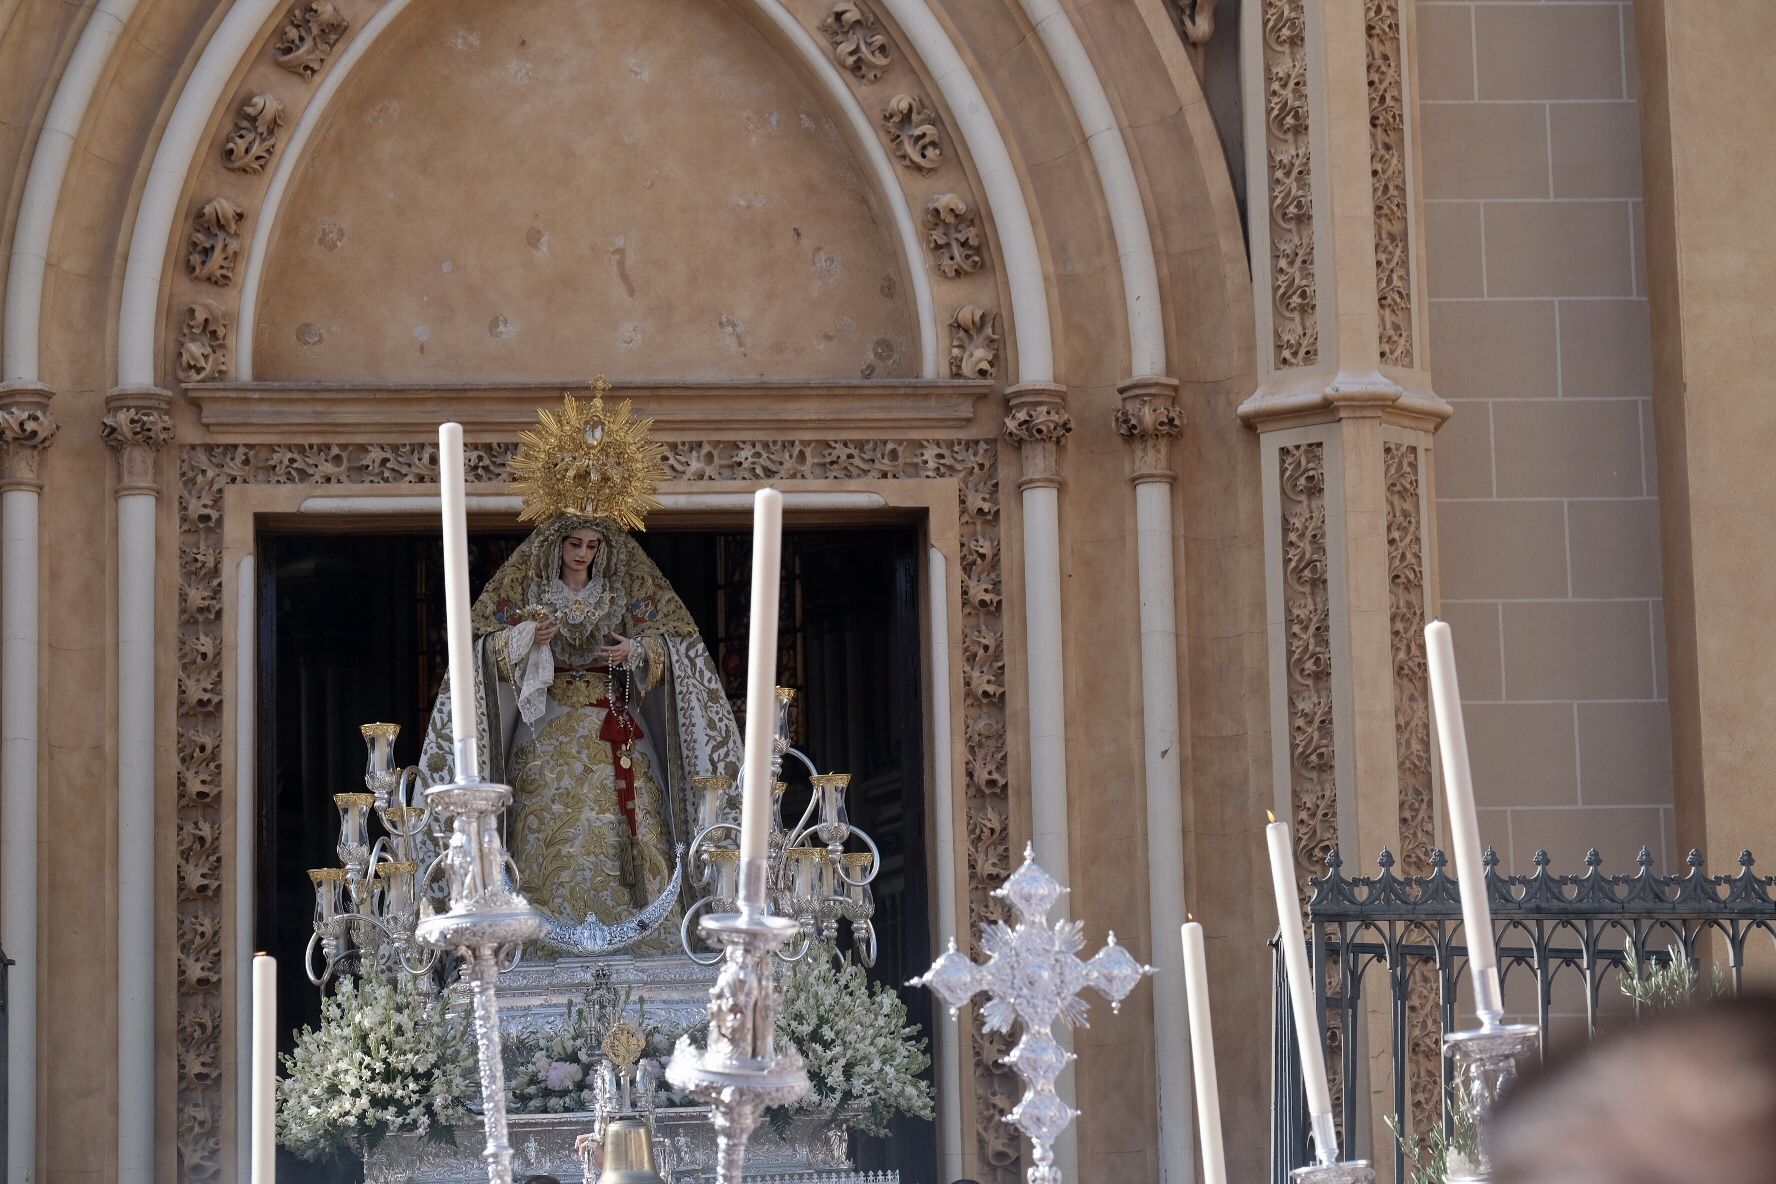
x=912, y=132
x=215, y=244
x=203, y=343
x=974, y=342
x=254, y=138
x=952, y=233
x=308, y=36
x=206, y=471
x=857, y=42
x=1294, y=303
x=1308, y=656
x=1387, y=170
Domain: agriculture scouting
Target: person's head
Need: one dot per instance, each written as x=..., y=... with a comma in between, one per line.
x=1682, y=1097
x=578, y=549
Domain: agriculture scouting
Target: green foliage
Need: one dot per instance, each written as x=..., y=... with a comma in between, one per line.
x=1658, y=984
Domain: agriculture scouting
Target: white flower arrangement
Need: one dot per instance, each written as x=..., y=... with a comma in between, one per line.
x=862, y=1055
x=385, y=1058
x=555, y=1072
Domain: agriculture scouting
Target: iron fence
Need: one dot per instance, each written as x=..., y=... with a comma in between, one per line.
x=6, y=965
x=1404, y=930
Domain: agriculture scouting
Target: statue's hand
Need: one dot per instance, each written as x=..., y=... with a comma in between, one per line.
x=546, y=631
x=618, y=652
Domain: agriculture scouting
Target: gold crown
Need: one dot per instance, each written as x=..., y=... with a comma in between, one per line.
x=590, y=463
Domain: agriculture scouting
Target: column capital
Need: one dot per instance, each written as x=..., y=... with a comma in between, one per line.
x=1149, y=418
x=26, y=428
x=1038, y=424
x=136, y=427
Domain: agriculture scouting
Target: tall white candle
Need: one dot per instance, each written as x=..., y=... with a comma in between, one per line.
x=1464, y=826
x=264, y=1098
x=456, y=601
x=761, y=690
x=1301, y=999
x=1202, y=1056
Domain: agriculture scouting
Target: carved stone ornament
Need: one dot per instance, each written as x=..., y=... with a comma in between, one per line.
x=136, y=427
x=1308, y=655
x=249, y=146
x=26, y=428
x=1038, y=424
x=308, y=36
x=215, y=245
x=1195, y=20
x=203, y=343
x=953, y=235
x=1149, y=419
x=974, y=342
x=1412, y=748
x=1294, y=302
x=857, y=43
x=1387, y=170
x=206, y=471
x=912, y=132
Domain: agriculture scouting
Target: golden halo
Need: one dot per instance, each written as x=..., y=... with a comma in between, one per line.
x=589, y=462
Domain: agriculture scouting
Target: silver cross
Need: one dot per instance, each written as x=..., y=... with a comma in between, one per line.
x=1033, y=973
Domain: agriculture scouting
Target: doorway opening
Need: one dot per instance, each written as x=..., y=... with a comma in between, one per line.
x=351, y=629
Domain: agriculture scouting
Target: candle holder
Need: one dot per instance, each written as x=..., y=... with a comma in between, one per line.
x=1486, y=1060
x=1356, y=1171
x=812, y=879
x=366, y=910
x=487, y=921
x=740, y=1073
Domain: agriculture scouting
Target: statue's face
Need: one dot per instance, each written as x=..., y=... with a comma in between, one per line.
x=577, y=552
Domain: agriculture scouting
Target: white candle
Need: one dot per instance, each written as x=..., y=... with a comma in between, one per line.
x=456, y=601
x=1301, y=999
x=712, y=795
x=1202, y=1056
x=1464, y=827
x=761, y=691
x=264, y=1099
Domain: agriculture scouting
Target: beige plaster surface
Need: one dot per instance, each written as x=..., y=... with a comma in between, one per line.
x=544, y=190
x=1710, y=270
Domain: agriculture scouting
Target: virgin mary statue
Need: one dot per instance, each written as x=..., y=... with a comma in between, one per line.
x=597, y=700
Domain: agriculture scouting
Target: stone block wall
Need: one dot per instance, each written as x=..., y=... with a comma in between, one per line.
x=1547, y=491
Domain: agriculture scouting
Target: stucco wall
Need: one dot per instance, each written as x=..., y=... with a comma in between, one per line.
x=1547, y=491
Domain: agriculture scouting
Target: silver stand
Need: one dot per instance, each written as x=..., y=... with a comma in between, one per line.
x=1356, y=1171
x=1486, y=1059
x=741, y=1074
x=487, y=919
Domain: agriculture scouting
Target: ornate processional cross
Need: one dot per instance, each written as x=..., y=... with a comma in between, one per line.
x=1033, y=973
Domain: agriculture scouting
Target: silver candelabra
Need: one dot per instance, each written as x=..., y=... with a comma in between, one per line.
x=367, y=909
x=813, y=880
x=488, y=919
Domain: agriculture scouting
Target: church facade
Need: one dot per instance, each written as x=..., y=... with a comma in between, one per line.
x=1206, y=350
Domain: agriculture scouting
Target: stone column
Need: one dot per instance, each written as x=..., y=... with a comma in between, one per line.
x=26, y=428
x=1149, y=419
x=1345, y=413
x=136, y=427
x=1038, y=423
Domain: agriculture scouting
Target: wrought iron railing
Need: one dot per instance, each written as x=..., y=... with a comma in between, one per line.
x=6, y=965
x=1405, y=928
